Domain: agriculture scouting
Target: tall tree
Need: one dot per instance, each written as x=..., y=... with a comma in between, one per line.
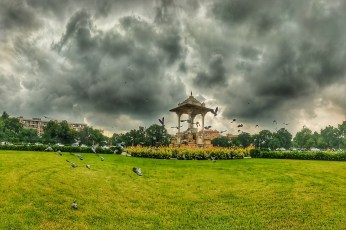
x=302, y=137
x=264, y=138
x=244, y=139
x=284, y=137
x=330, y=137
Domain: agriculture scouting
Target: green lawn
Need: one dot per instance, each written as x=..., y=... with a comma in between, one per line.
x=38, y=188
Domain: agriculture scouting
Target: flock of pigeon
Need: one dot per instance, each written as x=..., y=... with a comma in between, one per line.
x=74, y=205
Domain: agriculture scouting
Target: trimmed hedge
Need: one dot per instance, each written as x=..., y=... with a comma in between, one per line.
x=301, y=155
x=60, y=148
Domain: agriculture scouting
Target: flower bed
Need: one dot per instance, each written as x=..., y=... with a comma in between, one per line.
x=184, y=153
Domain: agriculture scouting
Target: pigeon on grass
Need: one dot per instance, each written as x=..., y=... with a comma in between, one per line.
x=138, y=171
x=74, y=204
x=212, y=159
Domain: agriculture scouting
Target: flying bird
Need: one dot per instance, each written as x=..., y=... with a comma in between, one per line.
x=239, y=130
x=93, y=149
x=207, y=127
x=241, y=125
x=138, y=171
x=285, y=123
x=223, y=131
x=212, y=159
x=274, y=121
x=215, y=111
x=162, y=121
x=256, y=126
x=233, y=120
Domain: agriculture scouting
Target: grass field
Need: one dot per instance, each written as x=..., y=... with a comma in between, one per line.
x=38, y=188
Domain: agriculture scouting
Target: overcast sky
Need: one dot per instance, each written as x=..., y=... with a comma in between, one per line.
x=121, y=64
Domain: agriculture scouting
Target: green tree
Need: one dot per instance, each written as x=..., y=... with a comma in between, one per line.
x=264, y=138
x=342, y=135
x=302, y=137
x=244, y=139
x=330, y=137
x=90, y=136
x=5, y=115
x=28, y=136
x=221, y=141
x=157, y=135
x=66, y=135
x=51, y=132
x=284, y=138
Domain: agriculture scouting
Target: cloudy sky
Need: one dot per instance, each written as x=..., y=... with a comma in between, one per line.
x=121, y=64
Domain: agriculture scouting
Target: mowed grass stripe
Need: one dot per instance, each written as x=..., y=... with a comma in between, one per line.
x=38, y=188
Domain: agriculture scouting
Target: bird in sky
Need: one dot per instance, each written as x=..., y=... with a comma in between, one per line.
x=207, y=127
x=285, y=123
x=274, y=121
x=241, y=125
x=233, y=120
x=215, y=111
x=256, y=126
x=223, y=131
x=162, y=121
x=239, y=130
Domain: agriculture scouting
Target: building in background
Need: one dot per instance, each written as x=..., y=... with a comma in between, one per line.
x=39, y=124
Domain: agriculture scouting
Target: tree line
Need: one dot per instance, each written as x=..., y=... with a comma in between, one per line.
x=328, y=138
x=11, y=130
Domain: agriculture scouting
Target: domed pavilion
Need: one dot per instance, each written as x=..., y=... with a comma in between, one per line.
x=191, y=137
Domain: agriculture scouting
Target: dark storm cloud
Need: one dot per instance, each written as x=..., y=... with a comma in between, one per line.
x=214, y=76
x=303, y=51
x=121, y=72
x=17, y=16
x=136, y=59
x=80, y=25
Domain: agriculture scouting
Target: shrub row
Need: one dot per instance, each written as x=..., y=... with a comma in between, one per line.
x=188, y=153
x=301, y=155
x=61, y=148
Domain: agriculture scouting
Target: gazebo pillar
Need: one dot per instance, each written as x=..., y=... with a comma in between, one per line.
x=203, y=115
x=179, y=116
